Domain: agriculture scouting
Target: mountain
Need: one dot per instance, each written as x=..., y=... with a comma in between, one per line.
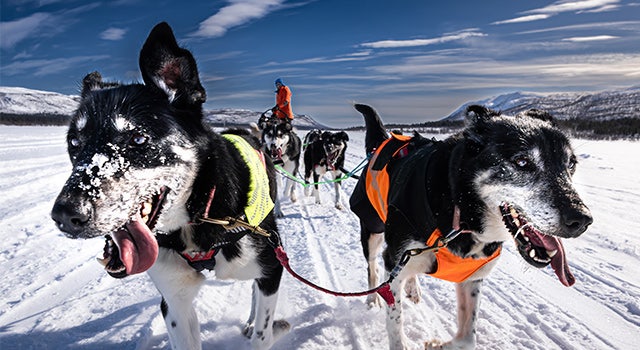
x=25, y=106
x=599, y=106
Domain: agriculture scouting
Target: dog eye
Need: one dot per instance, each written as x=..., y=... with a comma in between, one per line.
x=522, y=162
x=572, y=164
x=139, y=139
x=74, y=142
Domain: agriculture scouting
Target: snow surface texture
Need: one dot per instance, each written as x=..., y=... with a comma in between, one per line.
x=54, y=295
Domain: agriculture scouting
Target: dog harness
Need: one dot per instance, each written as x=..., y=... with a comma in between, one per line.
x=450, y=267
x=259, y=203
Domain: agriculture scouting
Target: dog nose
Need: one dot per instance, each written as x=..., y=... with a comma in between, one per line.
x=576, y=221
x=70, y=219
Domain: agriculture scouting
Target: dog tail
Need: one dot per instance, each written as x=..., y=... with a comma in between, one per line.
x=375, y=131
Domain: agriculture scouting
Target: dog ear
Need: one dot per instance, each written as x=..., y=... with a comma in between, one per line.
x=93, y=82
x=538, y=114
x=343, y=136
x=477, y=113
x=171, y=68
x=288, y=126
x=476, y=119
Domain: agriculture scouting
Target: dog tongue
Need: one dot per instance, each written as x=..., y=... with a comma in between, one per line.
x=138, y=248
x=558, y=262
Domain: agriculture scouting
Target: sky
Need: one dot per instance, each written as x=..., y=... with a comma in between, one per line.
x=413, y=61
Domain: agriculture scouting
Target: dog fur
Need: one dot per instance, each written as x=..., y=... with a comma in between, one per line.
x=522, y=160
x=283, y=144
x=145, y=169
x=324, y=152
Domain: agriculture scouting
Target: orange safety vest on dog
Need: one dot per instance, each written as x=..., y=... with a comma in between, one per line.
x=451, y=267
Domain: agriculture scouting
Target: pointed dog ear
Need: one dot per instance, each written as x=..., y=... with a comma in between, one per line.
x=538, y=114
x=343, y=136
x=476, y=119
x=170, y=68
x=93, y=82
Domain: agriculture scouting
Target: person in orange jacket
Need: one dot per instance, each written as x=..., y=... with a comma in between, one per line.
x=282, y=109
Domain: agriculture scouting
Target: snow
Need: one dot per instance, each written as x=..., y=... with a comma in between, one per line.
x=55, y=296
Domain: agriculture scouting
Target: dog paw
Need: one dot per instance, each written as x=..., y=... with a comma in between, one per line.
x=293, y=198
x=374, y=301
x=280, y=327
x=412, y=290
x=247, y=331
x=339, y=206
x=434, y=344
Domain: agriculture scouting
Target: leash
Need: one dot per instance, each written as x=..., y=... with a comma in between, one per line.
x=350, y=174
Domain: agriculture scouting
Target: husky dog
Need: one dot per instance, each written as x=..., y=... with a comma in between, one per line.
x=283, y=144
x=324, y=152
x=147, y=174
x=501, y=178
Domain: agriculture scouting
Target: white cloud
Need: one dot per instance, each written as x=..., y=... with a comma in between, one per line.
x=16, y=31
x=577, y=6
x=421, y=42
x=528, y=18
x=113, y=34
x=236, y=13
x=590, y=38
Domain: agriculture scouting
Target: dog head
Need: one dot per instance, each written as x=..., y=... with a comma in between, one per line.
x=334, y=145
x=276, y=138
x=133, y=149
x=521, y=167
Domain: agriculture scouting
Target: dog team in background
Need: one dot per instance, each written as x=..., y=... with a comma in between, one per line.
x=172, y=197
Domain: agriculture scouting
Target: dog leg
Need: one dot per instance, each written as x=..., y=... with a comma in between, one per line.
x=468, y=294
x=412, y=289
x=178, y=284
x=371, y=245
x=290, y=191
x=263, y=330
x=336, y=185
x=395, y=319
x=277, y=210
x=316, y=193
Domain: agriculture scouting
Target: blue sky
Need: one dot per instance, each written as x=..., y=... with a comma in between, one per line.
x=412, y=60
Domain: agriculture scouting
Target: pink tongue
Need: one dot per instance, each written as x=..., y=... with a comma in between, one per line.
x=138, y=248
x=558, y=262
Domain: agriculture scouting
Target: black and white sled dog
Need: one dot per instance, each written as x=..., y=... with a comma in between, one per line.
x=283, y=144
x=324, y=152
x=501, y=178
x=147, y=173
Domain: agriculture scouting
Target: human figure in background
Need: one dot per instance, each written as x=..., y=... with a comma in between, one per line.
x=282, y=109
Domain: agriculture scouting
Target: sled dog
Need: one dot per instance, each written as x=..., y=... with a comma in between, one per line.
x=148, y=174
x=502, y=178
x=324, y=152
x=283, y=144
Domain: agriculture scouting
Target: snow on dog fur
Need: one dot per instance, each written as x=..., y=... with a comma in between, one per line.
x=146, y=171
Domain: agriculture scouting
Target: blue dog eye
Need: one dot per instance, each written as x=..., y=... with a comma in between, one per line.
x=139, y=139
x=74, y=142
x=521, y=162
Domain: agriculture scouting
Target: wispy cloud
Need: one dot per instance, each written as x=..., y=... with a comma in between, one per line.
x=528, y=18
x=113, y=34
x=577, y=6
x=45, y=67
x=236, y=13
x=385, y=44
x=39, y=24
x=15, y=31
x=578, y=39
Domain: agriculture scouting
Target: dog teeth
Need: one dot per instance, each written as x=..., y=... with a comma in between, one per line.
x=532, y=253
x=103, y=261
x=552, y=253
x=146, y=208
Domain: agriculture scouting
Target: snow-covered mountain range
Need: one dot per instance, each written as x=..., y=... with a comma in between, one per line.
x=17, y=101
x=605, y=105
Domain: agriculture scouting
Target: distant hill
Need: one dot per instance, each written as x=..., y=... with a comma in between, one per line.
x=600, y=106
x=20, y=106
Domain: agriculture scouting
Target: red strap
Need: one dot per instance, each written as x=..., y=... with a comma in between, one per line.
x=384, y=290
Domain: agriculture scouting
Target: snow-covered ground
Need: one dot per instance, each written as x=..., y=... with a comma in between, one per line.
x=53, y=295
